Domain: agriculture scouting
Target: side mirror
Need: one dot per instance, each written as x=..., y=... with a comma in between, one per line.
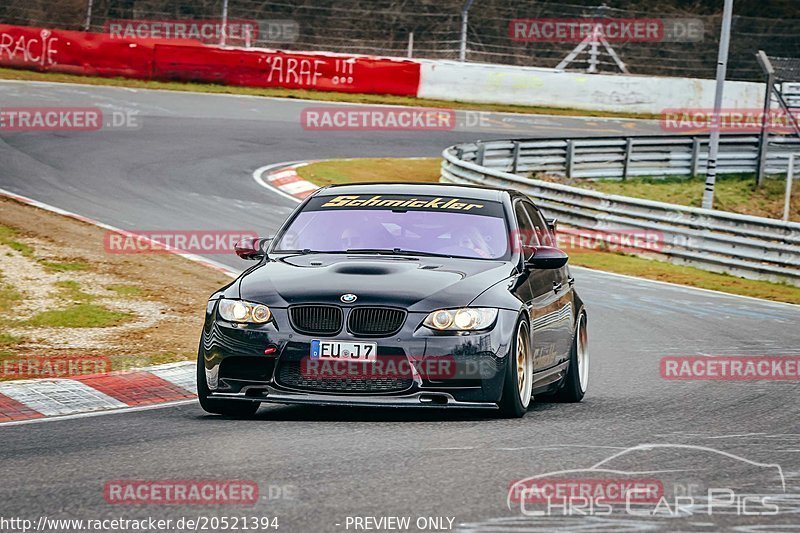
x=546, y=258
x=251, y=248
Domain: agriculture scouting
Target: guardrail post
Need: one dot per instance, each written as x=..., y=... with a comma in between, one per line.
x=694, y=166
x=628, y=152
x=479, y=157
x=515, y=155
x=570, y=157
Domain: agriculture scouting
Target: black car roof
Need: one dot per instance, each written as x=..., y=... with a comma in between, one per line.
x=422, y=189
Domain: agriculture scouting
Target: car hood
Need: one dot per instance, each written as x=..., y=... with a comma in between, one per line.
x=419, y=284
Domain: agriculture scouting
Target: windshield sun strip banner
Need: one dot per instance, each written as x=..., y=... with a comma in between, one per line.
x=406, y=203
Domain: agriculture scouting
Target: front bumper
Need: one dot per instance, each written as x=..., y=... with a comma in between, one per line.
x=424, y=399
x=236, y=366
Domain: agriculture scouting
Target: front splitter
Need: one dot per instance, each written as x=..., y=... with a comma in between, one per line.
x=438, y=400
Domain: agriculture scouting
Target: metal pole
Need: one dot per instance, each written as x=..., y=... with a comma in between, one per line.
x=789, y=177
x=462, y=54
x=763, y=141
x=411, y=45
x=593, y=51
x=88, y=24
x=722, y=68
x=223, y=38
x=248, y=36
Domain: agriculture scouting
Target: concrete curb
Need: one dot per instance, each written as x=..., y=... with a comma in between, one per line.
x=38, y=398
x=286, y=180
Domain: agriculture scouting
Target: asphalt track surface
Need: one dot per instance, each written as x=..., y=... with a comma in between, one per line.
x=189, y=166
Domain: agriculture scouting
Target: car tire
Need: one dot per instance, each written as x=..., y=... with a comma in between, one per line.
x=518, y=382
x=232, y=408
x=576, y=381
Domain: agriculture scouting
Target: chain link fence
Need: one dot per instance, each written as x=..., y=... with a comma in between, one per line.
x=385, y=27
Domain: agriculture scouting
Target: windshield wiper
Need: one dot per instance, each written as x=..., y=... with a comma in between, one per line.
x=306, y=251
x=393, y=251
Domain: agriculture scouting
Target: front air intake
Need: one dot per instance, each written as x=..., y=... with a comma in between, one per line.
x=375, y=321
x=316, y=319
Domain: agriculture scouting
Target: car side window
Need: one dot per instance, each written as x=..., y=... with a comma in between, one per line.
x=526, y=234
x=540, y=225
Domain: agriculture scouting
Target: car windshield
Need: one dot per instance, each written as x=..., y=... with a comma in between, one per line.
x=399, y=224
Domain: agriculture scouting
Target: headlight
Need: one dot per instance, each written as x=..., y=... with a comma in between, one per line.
x=466, y=319
x=240, y=311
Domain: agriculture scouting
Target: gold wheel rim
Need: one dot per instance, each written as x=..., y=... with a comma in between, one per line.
x=583, y=355
x=524, y=370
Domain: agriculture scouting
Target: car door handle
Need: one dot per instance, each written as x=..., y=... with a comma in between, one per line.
x=571, y=281
x=557, y=286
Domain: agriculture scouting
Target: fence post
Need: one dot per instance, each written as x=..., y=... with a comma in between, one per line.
x=628, y=152
x=462, y=52
x=763, y=140
x=87, y=25
x=570, y=157
x=515, y=155
x=224, y=37
x=722, y=69
x=411, y=45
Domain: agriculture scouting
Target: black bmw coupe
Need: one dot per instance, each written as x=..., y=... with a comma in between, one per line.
x=399, y=295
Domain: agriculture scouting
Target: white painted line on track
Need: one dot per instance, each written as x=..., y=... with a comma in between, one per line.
x=688, y=288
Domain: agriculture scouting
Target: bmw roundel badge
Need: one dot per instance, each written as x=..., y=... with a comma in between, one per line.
x=348, y=298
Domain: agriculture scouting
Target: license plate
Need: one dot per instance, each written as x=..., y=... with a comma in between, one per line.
x=344, y=351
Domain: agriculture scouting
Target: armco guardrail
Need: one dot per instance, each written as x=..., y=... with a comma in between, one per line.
x=747, y=246
x=622, y=157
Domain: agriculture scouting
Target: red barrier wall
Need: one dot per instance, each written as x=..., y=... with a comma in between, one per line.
x=292, y=70
x=74, y=52
x=101, y=55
